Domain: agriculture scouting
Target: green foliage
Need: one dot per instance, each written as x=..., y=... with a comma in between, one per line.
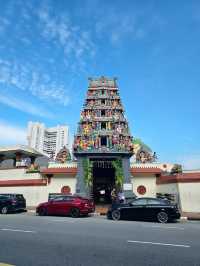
x=34, y=168
x=142, y=144
x=177, y=168
x=87, y=169
x=69, y=157
x=118, y=172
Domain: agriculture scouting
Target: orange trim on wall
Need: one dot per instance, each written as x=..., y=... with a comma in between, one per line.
x=60, y=171
x=138, y=170
x=23, y=182
x=179, y=178
x=73, y=170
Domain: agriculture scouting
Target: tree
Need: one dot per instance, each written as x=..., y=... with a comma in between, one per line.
x=87, y=169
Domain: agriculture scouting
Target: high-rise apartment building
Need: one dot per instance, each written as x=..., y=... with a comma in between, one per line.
x=47, y=140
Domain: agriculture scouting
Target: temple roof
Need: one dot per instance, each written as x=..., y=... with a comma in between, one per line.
x=98, y=82
x=9, y=152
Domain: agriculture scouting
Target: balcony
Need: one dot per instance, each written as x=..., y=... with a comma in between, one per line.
x=114, y=150
x=96, y=97
x=103, y=132
x=103, y=107
x=101, y=87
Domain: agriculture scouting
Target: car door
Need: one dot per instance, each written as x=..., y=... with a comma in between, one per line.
x=153, y=207
x=66, y=205
x=138, y=209
x=55, y=206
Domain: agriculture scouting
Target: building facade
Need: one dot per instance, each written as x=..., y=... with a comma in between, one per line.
x=47, y=140
x=148, y=180
x=103, y=143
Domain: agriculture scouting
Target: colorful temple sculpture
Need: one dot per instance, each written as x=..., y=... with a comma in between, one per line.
x=103, y=137
x=142, y=152
x=63, y=155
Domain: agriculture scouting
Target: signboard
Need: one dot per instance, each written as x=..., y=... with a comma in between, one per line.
x=128, y=186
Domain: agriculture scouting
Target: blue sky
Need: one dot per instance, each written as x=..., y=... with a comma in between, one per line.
x=48, y=49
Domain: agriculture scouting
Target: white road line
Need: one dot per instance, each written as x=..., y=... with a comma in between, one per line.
x=5, y=264
x=17, y=230
x=156, y=243
x=65, y=221
x=167, y=227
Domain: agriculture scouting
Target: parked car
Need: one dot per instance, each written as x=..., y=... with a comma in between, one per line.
x=74, y=206
x=12, y=203
x=145, y=209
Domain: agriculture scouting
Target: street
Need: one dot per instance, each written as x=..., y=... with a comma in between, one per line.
x=27, y=239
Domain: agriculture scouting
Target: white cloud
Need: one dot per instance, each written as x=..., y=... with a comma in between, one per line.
x=117, y=25
x=26, y=78
x=10, y=134
x=75, y=42
x=25, y=107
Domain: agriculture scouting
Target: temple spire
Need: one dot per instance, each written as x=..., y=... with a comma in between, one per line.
x=103, y=126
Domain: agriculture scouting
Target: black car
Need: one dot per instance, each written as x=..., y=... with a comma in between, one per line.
x=12, y=203
x=145, y=209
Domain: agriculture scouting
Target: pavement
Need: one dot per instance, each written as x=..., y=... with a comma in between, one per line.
x=191, y=215
x=102, y=210
x=27, y=239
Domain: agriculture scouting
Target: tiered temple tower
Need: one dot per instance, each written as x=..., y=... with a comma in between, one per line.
x=103, y=135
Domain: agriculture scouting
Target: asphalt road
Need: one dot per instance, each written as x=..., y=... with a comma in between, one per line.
x=28, y=240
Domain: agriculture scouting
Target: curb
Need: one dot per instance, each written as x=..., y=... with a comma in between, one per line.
x=95, y=214
x=32, y=211
x=184, y=218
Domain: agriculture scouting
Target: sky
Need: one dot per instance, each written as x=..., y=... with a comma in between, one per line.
x=48, y=49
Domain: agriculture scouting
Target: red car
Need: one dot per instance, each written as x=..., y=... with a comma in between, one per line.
x=74, y=206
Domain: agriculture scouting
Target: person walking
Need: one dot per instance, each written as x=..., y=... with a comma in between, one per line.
x=121, y=196
x=114, y=195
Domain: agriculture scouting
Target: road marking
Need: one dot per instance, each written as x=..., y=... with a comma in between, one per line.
x=66, y=221
x=5, y=264
x=156, y=243
x=17, y=230
x=167, y=227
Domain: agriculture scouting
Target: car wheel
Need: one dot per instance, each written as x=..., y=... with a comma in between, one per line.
x=75, y=213
x=162, y=217
x=116, y=215
x=4, y=210
x=42, y=212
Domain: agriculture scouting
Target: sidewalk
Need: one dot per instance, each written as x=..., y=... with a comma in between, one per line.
x=102, y=210
x=191, y=215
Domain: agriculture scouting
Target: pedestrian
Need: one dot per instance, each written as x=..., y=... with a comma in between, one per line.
x=121, y=196
x=114, y=195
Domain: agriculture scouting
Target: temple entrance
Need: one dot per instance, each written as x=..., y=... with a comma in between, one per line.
x=103, y=181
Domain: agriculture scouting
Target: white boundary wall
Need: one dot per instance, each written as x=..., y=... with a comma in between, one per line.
x=149, y=181
x=35, y=194
x=189, y=197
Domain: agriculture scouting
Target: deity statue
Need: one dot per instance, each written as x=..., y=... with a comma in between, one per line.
x=63, y=155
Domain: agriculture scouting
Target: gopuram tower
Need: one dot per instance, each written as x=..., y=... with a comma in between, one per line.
x=103, y=143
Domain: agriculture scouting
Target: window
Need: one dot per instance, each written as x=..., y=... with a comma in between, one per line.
x=19, y=197
x=103, y=112
x=67, y=198
x=139, y=202
x=61, y=198
x=103, y=125
x=102, y=101
x=3, y=197
x=103, y=141
x=155, y=202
